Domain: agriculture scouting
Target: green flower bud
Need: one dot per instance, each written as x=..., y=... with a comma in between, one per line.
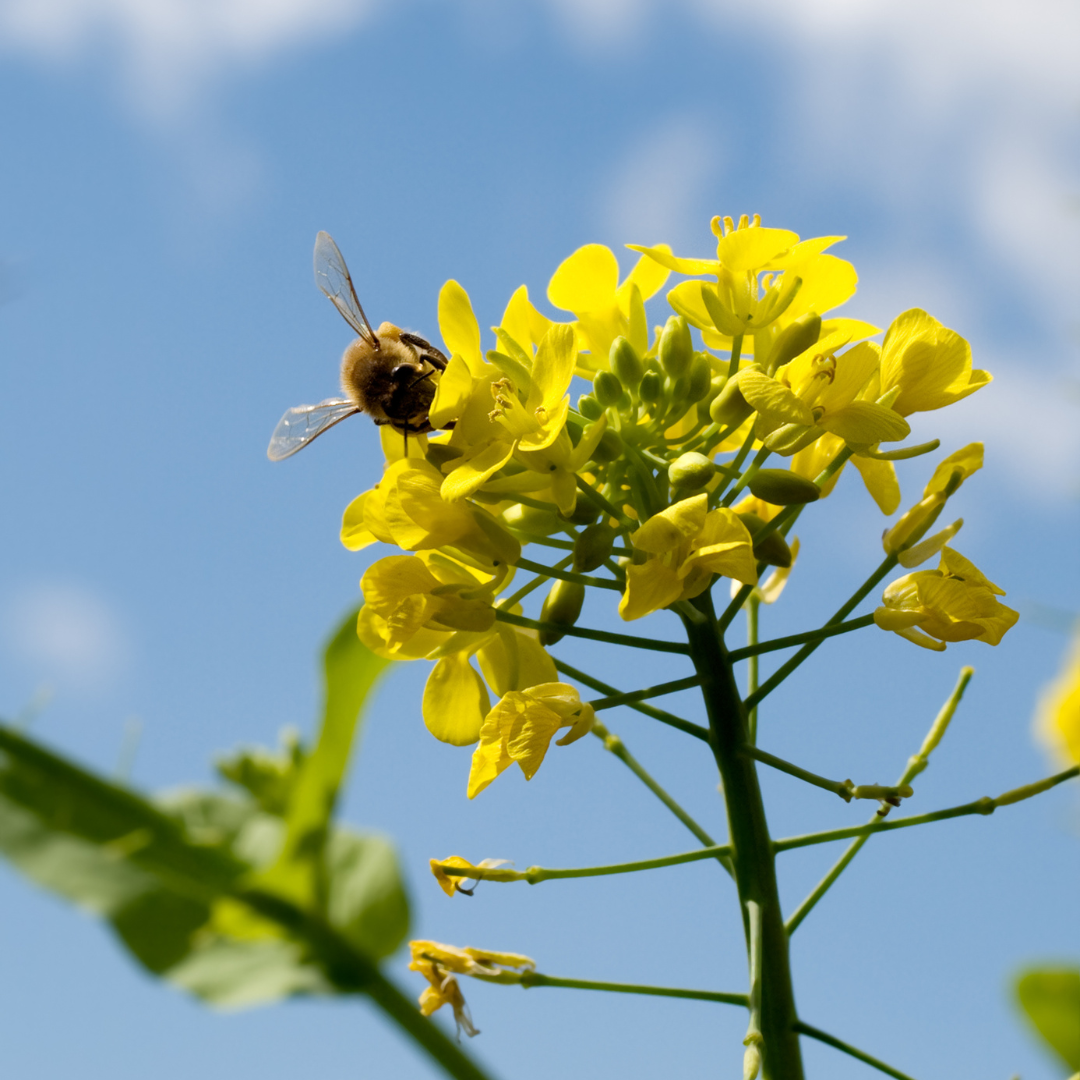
x=781, y=487
x=680, y=388
x=676, y=348
x=607, y=389
x=584, y=513
x=794, y=339
x=610, y=447
x=562, y=606
x=531, y=520
x=690, y=472
x=773, y=549
x=652, y=387
x=589, y=407
x=729, y=407
x=789, y=439
x=625, y=363
x=700, y=379
x=593, y=546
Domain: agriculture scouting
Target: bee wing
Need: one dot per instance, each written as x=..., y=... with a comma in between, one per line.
x=332, y=276
x=306, y=422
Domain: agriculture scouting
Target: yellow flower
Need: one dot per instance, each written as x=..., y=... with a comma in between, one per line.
x=952, y=603
x=520, y=728
x=587, y=283
x=1058, y=718
x=686, y=544
x=928, y=362
x=456, y=883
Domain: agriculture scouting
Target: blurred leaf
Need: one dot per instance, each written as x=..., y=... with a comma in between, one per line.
x=367, y=904
x=268, y=777
x=1051, y=999
x=351, y=670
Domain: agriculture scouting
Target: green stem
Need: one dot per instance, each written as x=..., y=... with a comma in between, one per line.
x=534, y=978
x=751, y=472
x=658, y=690
x=847, y=1048
x=508, y=602
x=984, y=806
x=592, y=635
x=596, y=498
x=647, y=710
x=614, y=745
x=733, y=608
x=535, y=874
x=916, y=764
x=733, y=363
x=752, y=610
x=566, y=575
x=787, y=668
x=753, y=650
x=844, y=788
x=754, y=860
x=736, y=465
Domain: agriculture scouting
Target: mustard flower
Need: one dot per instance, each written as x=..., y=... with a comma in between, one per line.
x=1058, y=718
x=685, y=545
x=520, y=728
x=955, y=602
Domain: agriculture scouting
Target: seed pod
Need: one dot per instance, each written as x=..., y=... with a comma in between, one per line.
x=729, y=407
x=625, y=363
x=773, y=549
x=562, y=606
x=781, y=487
x=690, y=472
x=794, y=339
x=676, y=348
x=652, y=387
x=610, y=447
x=593, y=546
x=700, y=378
x=589, y=407
x=607, y=389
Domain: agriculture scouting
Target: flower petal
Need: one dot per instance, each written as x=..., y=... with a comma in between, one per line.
x=455, y=701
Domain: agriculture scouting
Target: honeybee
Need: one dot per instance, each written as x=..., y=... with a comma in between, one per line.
x=387, y=374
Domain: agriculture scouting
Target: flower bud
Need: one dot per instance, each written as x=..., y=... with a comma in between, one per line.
x=562, y=606
x=589, y=407
x=781, y=487
x=676, y=348
x=531, y=520
x=593, y=546
x=794, y=339
x=789, y=439
x=607, y=389
x=584, y=513
x=652, y=387
x=625, y=363
x=729, y=407
x=690, y=472
x=914, y=524
x=609, y=448
x=773, y=549
x=700, y=380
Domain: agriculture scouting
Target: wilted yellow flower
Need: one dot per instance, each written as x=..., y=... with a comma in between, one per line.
x=955, y=602
x=686, y=544
x=930, y=363
x=451, y=884
x=520, y=728
x=1058, y=718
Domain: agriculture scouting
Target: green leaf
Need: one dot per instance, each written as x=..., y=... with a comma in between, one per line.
x=1051, y=999
x=268, y=777
x=351, y=670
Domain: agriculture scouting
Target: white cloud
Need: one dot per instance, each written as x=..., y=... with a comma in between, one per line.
x=169, y=49
x=651, y=192
x=65, y=633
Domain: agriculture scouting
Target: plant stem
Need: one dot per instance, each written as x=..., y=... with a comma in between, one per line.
x=984, y=806
x=593, y=635
x=595, y=497
x=614, y=745
x=754, y=859
x=754, y=650
x=752, y=610
x=847, y=1048
x=508, y=602
x=530, y=979
x=747, y=476
x=916, y=764
x=648, y=710
x=658, y=690
x=787, y=668
x=566, y=575
x=844, y=788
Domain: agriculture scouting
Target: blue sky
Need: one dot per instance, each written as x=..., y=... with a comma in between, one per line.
x=166, y=166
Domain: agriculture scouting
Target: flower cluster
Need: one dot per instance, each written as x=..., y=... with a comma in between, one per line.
x=646, y=486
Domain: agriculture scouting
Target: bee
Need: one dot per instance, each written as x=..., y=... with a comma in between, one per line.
x=387, y=374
